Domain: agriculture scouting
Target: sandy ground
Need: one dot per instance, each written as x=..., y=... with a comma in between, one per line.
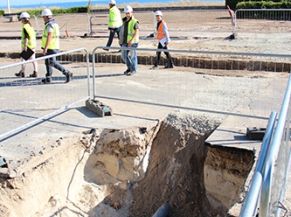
x=189, y=29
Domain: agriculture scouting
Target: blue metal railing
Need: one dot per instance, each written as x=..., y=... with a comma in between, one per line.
x=269, y=180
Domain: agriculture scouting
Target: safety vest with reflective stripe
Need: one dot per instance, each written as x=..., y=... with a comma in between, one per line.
x=131, y=30
x=31, y=43
x=54, y=44
x=160, y=31
x=115, y=19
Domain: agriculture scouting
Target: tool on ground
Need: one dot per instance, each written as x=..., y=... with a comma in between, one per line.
x=254, y=133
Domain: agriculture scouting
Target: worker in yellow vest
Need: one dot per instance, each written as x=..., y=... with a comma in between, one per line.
x=129, y=38
x=163, y=37
x=28, y=42
x=114, y=22
x=51, y=45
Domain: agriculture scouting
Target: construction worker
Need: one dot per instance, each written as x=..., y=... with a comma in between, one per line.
x=162, y=35
x=129, y=38
x=233, y=23
x=114, y=22
x=50, y=45
x=28, y=42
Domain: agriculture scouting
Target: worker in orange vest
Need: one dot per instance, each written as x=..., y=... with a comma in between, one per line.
x=162, y=35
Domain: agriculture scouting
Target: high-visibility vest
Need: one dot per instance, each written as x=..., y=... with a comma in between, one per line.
x=31, y=36
x=131, y=30
x=115, y=19
x=160, y=31
x=54, y=44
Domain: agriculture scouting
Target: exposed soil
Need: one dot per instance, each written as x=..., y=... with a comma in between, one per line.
x=132, y=172
x=184, y=171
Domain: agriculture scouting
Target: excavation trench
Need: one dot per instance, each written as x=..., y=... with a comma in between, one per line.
x=196, y=61
x=131, y=173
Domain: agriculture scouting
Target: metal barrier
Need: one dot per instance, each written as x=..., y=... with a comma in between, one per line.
x=34, y=103
x=91, y=23
x=262, y=14
x=267, y=14
x=205, y=62
x=269, y=182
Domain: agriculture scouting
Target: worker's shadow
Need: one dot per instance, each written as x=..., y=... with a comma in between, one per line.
x=20, y=82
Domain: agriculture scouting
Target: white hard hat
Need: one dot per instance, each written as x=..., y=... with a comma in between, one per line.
x=128, y=9
x=24, y=15
x=112, y=2
x=158, y=13
x=46, y=12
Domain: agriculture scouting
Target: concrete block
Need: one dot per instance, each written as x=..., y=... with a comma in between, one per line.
x=98, y=108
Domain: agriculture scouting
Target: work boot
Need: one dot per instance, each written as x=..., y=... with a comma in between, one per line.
x=46, y=80
x=69, y=76
x=127, y=71
x=20, y=74
x=169, y=65
x=33, y=75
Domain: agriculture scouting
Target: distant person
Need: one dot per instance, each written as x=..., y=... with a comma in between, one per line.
x=129, y=38
x=28, y=41
x=163, y=37
x=233, y=23
x=50, y=45
x=114, y=22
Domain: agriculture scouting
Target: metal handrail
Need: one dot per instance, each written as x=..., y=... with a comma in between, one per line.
x=251, y=201
x=274, y=150
x=266, y=142
x=266, y=163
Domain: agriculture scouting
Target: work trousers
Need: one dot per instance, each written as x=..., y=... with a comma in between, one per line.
x=52, y=62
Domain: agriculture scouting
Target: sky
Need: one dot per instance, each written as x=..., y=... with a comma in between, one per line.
x=3, y=3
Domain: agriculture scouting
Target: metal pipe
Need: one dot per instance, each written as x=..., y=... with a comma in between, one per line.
x=93, y=72
x=251, y=201
x=8, y=6
x=163, y=211
x=88, y=73
x=266, y=142
x=266, y=189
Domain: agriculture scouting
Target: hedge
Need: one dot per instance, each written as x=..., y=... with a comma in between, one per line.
x=263, y=4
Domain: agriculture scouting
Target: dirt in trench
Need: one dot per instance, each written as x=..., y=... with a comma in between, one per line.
x=177, y=169
x=181, y=170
